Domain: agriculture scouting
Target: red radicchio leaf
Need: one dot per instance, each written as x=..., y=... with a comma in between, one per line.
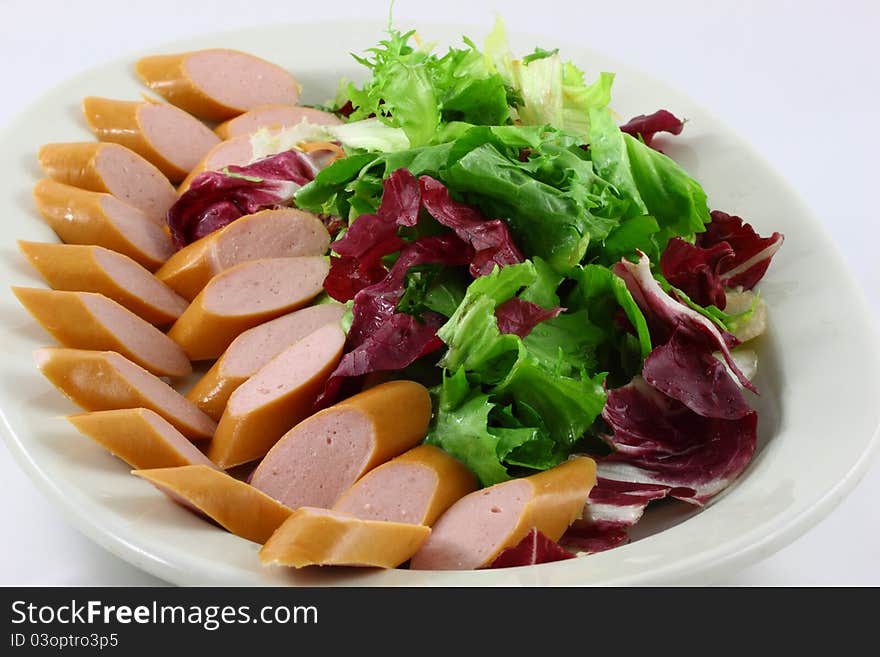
x=684, y=430
x=696, y=271
x=372, y=237
x=401, y=198
x=215, y=199
x=397, y=342
x=666, y=315
x=695, y=378
x=519, y=317
x=593, y=538
x=612, y=507
x=658, y=440
x=381, y=339
x=345, y=110
x=533, y=549
x=751, y=252
x=350, y=274
x=373, y=305
x=649, y=125
x=491, y=240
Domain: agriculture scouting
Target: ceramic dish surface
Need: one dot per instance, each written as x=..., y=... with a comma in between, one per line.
x=818, y=411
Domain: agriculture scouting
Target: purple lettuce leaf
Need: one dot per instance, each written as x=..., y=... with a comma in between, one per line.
x=696, y=271
x=395, y=344
x=696, y=378
x=613, y=507
x=533, y=549
x=751, y=252
x=518, y=316
x=647, y=126
x=217, y=198
x=666, y=315
x=491, y=240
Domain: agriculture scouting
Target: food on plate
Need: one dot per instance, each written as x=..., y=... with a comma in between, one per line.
x=415, y=487
x=271, y=117
x=265, y=234
x=85, y=268
x=253, y=349
x=275, y=398
x=140, y=437
x=113, y=169
x=322, y=537
x=321, y=457
x=91, y=218
x=104, y=381
x=475, y=530
x=235, y=505
x=217, y=84
x=88, y=320
x=234, y=151
x=245, y=296
x=460, y=315
x=163, y=134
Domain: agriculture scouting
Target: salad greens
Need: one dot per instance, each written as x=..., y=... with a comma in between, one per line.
x=530, y=141
x=557, y=282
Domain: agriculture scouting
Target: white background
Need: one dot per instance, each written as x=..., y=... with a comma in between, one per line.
x=797, y=79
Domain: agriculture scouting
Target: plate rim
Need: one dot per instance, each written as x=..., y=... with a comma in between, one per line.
x=696, y=567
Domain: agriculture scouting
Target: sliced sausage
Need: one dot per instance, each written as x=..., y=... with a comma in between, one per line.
x=139, y=437
x=88, y=320
x=82, y=268
x=104, y=381
x=273, y=117
x=265, y=234
x=279, y=395
x=243, y=297
x=110, y=168
x=415, y=487
x=163, y=134
x=320, y=537
x=320, y=458
x=479, y=526
x=234, y=505
x=94, y=218
x=218, y=84
x=255, y=348
x=236, y=151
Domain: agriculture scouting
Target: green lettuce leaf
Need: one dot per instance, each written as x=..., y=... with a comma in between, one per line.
x=653, y=183
x=417, y=91
x=460, y=428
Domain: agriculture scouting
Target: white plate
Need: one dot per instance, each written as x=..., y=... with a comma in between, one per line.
x=818, y=410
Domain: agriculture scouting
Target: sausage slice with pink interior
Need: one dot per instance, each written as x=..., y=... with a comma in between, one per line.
x=104, y=381
x=113, y=169
x=218, y=84
x=273, y=117
x=233, y=504
x=255, y=348
x=285, y=232
x=243, y=297
x=85, y=268
x=415, y=487
x=163, y=134
x=321, y=537
x=474, y=530
x=88, y=320
x=140, y=437
x=322, y=456
x=235, y=151
x=94, y=218
x=279, y=395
